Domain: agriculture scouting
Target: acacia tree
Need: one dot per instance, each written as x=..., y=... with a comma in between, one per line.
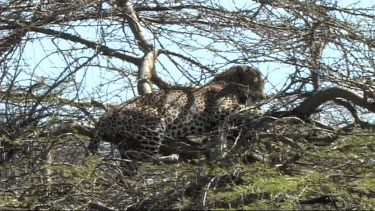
x=64, y=63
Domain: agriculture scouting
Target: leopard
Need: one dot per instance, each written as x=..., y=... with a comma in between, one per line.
x=140, y=127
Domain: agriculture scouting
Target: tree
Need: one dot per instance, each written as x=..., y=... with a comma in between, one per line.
x=64, y=63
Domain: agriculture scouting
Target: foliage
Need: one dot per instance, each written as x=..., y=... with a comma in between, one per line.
x=333, y=176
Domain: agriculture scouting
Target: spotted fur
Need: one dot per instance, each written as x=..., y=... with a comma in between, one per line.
x=139, y=126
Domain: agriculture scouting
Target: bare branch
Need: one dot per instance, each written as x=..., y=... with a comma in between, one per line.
x=145, y=72
x=95, y=46
x=135, y=25
x=309, y=106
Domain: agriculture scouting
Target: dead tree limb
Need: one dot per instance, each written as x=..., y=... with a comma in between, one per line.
x=146, y=68
x=102, y=49
x=133, y=21
x=146, y=72
x=309, y=106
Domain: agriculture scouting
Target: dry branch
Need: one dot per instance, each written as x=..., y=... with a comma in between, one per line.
x=145, y=72
x=102, y=49
x=309, y=106
x=134, y=24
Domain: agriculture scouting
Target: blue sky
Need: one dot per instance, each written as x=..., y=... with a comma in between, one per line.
x=41, y=60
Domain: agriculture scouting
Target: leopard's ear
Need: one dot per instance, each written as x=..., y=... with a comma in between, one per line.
x=241, y=73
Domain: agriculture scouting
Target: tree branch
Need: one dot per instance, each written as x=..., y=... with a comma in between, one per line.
x=104, y=50
x=145, y=72
x=10, y=42
x=135, y=26
x=308, y=107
